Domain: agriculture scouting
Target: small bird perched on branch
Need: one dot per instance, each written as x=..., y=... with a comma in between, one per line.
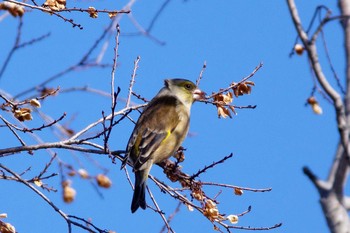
x=159, y=132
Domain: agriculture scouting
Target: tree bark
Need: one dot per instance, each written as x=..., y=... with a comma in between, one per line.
x=335, y=204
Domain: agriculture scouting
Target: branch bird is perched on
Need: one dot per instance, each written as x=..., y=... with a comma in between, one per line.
x=159, y=132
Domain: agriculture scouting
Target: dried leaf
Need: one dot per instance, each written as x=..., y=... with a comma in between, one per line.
x=3, y=215
x=251, y=83
x=223, y=112
x=232, y=109
x=243, y=88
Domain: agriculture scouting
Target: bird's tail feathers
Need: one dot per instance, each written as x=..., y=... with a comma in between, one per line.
x=139, y=197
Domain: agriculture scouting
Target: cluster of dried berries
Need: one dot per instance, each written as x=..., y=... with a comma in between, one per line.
x=6, y=227
x=55, y=5
x=314, y=104
x=14, y=9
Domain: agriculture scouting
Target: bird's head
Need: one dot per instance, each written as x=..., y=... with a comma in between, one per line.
x=184, y=89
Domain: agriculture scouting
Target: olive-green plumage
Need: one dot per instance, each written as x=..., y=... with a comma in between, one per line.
x=159, y=132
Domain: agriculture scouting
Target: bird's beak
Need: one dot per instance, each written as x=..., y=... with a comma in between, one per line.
x=198, y=94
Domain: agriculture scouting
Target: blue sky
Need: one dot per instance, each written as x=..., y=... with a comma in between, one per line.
x=271, y=143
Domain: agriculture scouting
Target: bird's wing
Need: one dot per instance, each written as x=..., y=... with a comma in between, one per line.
x=155, y=124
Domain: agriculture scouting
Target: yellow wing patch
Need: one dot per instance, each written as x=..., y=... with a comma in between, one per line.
x=168, y=132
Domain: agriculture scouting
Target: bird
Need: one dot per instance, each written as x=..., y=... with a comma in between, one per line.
x=159, y=132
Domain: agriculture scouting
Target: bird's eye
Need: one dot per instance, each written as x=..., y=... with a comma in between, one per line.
x=188, y=86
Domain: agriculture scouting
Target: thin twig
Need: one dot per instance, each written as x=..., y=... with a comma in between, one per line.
x=236, y=84
x=201, y=73
x=171, y=217
x=159, y=210
x=48, y=10
x=132, y=81
x=210, y=166
x=10, y=126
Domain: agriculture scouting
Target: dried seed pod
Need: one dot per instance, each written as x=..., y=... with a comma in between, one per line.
x=92, y=12
x=83, y=173
x=68, y=194
x=35, y=103
x=238, y=191
x=233, y=218
x=55, y=5
x=23, y=114
x=299, y=49
x=103, y=181
x=315, y=105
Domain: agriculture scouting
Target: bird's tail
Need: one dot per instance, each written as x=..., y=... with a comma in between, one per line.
x=138, y=199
